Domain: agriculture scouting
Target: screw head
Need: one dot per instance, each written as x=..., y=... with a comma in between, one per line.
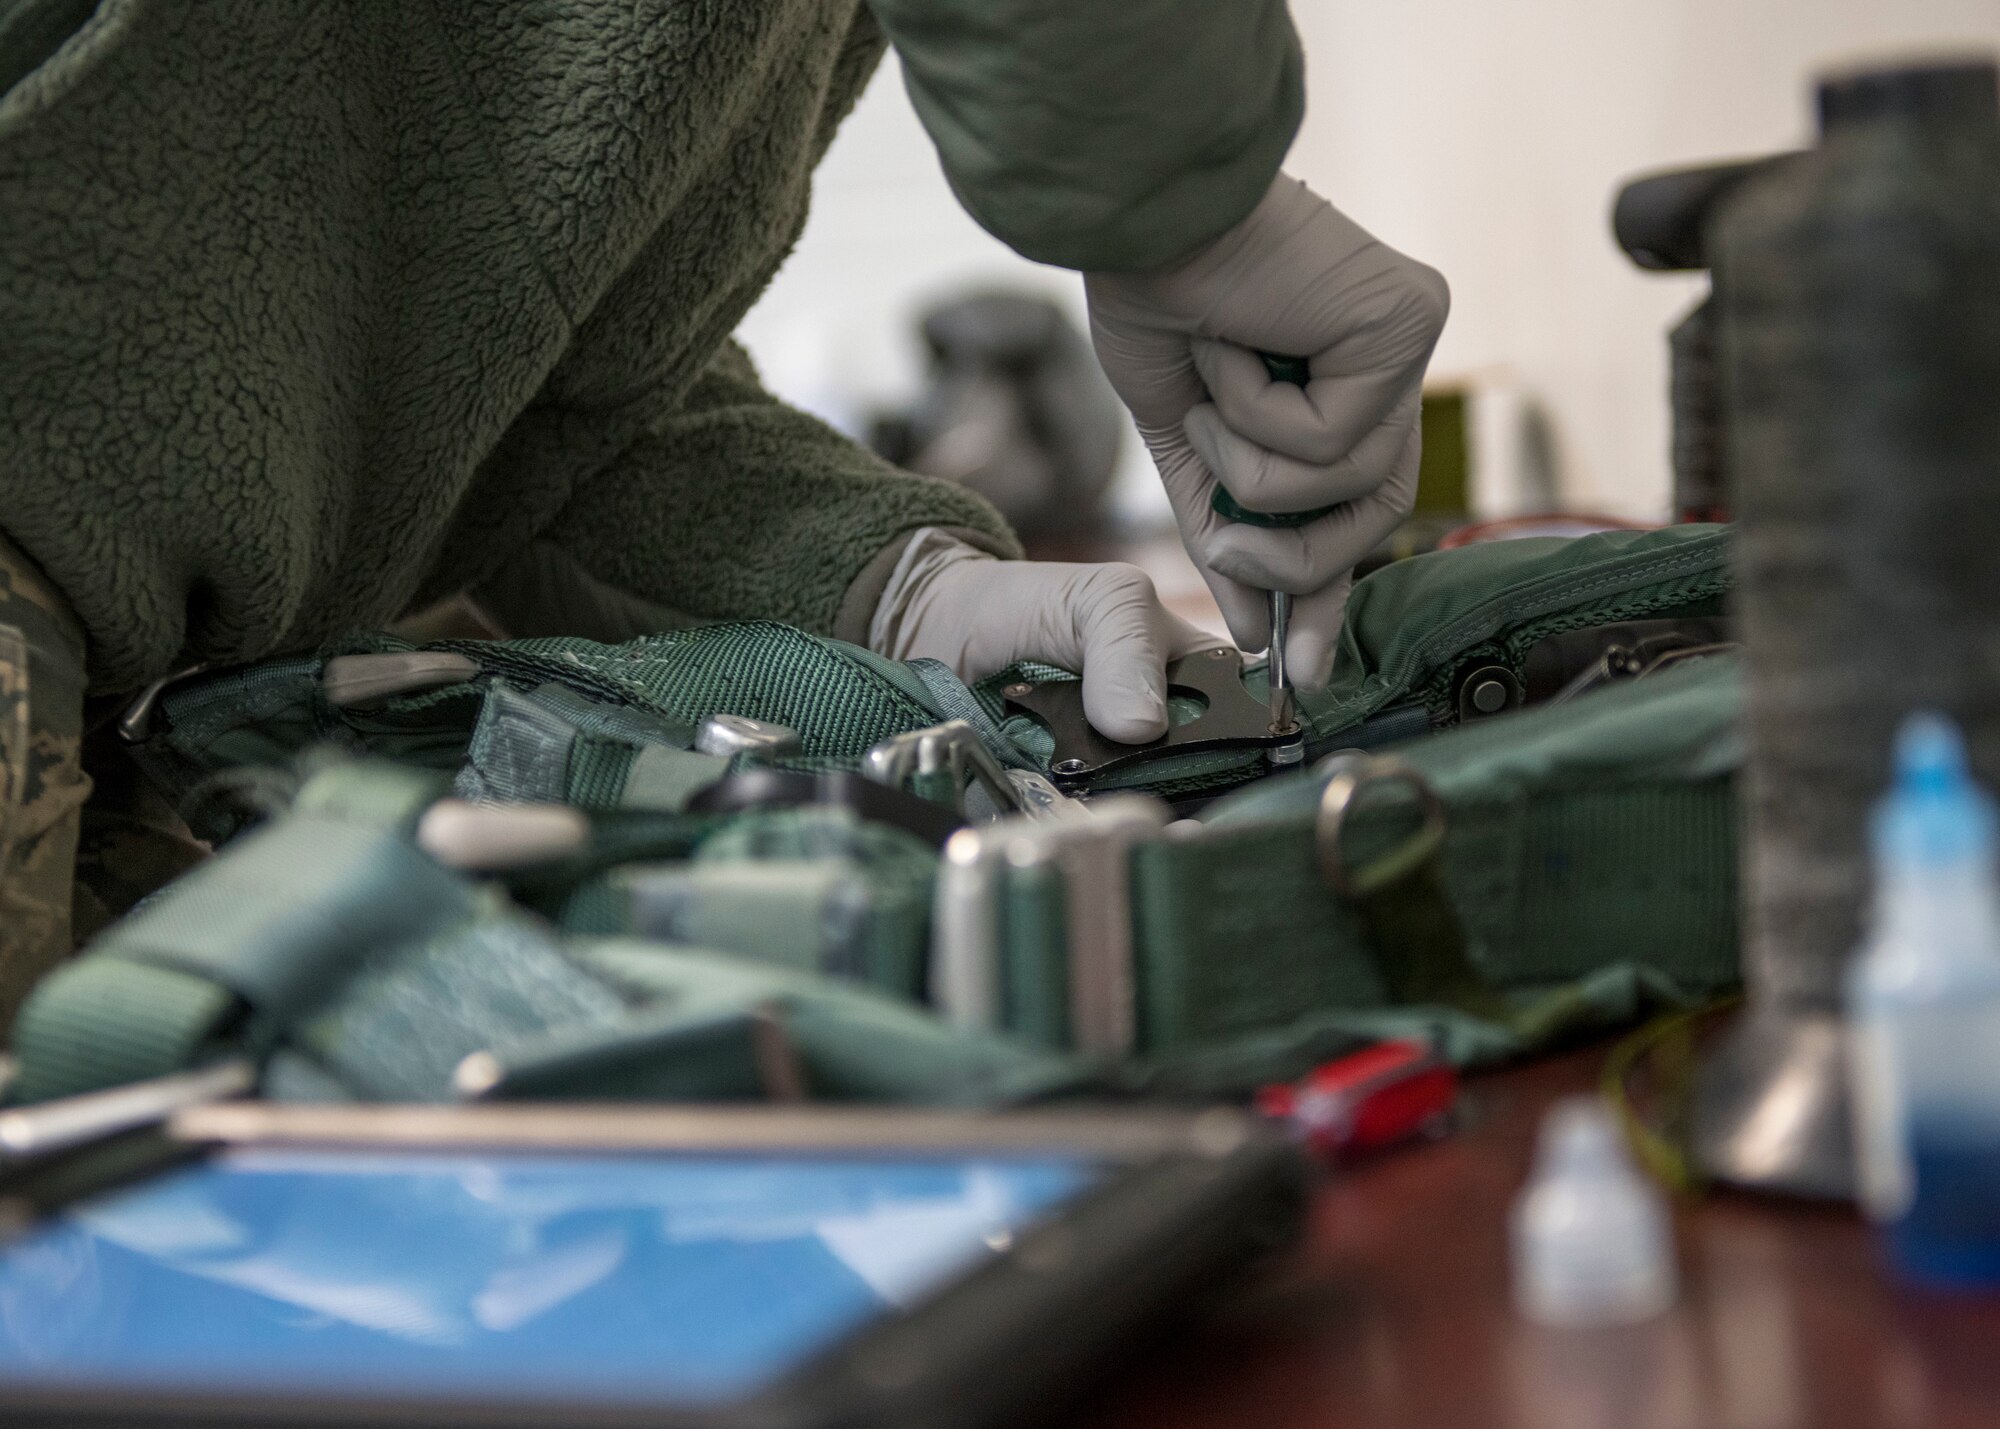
x=1015, y=691
x=1220, y=653
x=1489, y=697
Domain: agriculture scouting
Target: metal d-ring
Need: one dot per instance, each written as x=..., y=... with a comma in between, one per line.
x=1342, y=792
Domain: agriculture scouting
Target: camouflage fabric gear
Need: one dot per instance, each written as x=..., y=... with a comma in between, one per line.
x=132, y=843
x=42, y=784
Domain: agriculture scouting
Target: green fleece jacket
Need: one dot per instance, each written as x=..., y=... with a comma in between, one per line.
x=313, y=311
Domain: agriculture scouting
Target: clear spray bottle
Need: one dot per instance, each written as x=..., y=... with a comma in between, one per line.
x=1924, y=998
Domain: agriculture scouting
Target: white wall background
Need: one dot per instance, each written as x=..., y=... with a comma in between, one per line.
x=1486, y=138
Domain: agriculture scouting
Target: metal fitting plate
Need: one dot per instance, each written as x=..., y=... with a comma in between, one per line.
x=1231, y=719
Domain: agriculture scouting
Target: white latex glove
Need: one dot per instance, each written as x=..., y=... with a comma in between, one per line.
x=1180, y=345
x=946, y=601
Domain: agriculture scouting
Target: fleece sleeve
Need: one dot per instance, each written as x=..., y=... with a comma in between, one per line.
x=1103, y=134
x=739, y=507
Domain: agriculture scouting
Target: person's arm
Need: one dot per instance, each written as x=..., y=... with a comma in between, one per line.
x=1140, y=141
x=739, y=508
x=1103, y=134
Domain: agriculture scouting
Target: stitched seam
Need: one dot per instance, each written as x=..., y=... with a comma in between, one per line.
x=1539, y=597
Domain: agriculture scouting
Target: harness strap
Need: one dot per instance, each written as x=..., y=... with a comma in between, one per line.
x=242, y=944
x=102, y=1022
x=1239, y=931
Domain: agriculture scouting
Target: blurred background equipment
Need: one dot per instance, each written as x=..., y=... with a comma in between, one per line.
x=1661, y=221
x=1016, y=408
x=1593, y=1239
x=1858, y=291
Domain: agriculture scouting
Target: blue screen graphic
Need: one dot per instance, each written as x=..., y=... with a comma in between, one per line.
x=658, y=1279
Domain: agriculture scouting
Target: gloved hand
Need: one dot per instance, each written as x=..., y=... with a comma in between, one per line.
x=948, y=602
x=1180, y=345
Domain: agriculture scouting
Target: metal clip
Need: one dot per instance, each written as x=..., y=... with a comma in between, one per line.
x=1350, y=778
x=1637, y=661
x=1038, y=796
x=1090, y=845
x=135, y=725
x=951, y=747
x=727, y=735
x=358, y=681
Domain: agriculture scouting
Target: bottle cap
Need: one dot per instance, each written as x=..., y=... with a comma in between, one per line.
x=1593, y=1244
x=1966, y=89
x=1934, y=813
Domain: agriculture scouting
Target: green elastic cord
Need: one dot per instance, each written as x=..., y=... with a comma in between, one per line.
x=955, y=700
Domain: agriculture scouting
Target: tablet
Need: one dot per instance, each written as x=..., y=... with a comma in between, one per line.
x=575, y=1266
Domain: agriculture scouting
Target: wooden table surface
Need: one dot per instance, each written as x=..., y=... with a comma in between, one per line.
x=1394, y=1312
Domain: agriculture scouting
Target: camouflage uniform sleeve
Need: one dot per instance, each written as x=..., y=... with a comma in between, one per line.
x=42, y=785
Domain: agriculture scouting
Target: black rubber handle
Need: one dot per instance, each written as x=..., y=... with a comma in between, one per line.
x=1282, y=369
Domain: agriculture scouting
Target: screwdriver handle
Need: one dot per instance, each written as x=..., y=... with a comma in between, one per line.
x=1282, y=369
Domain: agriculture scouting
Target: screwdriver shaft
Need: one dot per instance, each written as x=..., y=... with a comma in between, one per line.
x=1284, y=713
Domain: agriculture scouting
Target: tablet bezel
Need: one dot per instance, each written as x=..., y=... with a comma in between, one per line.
x=1187, y=1198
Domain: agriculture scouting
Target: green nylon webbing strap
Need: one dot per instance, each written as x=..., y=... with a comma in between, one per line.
x=272, y=922
x=102, y=1022
x=839, y=698
x=813, y=888
x=520, y=751
x=256, y=936
x=551, y=745
x=662, y=779
x=1238, y=932
x=371, y=792
x=415, y=1009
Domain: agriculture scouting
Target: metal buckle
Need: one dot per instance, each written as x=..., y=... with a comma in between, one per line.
x=1343, y=791
x=951, y=747
x=1090, y=846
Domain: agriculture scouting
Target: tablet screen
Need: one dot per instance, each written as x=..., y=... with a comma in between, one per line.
x=670, y=1279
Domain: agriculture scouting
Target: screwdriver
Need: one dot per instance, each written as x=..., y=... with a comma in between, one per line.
x=1284, y=706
